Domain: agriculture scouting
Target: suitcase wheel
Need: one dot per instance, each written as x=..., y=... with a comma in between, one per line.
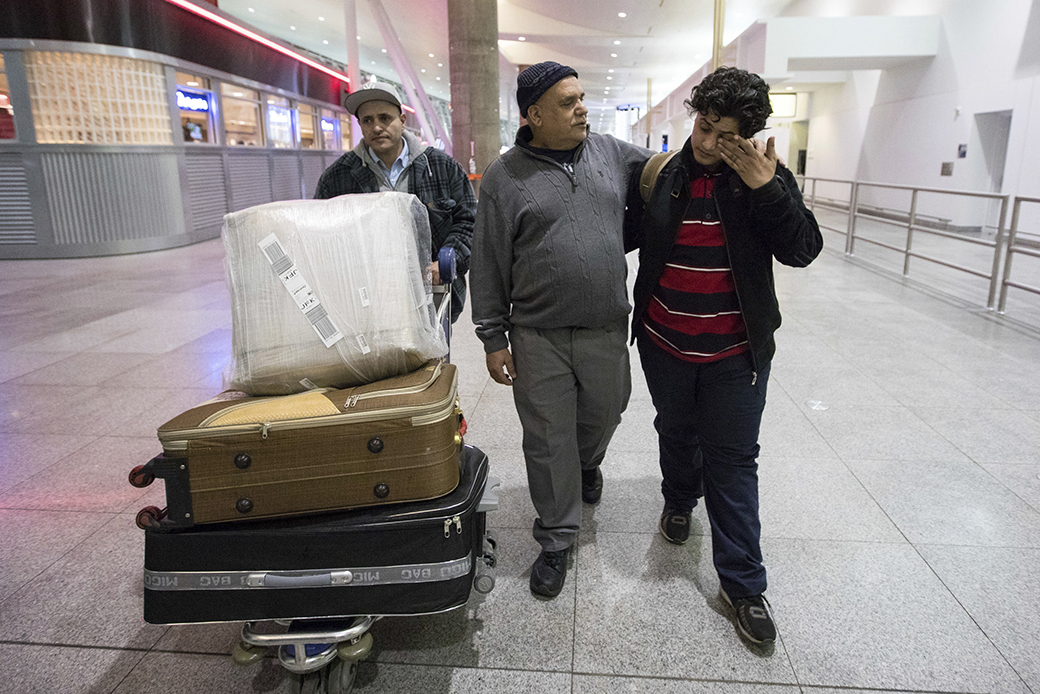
x=139, y=477
x=149, y=517
x=246, y=653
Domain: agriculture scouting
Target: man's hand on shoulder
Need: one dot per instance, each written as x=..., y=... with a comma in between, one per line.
x=500, y=366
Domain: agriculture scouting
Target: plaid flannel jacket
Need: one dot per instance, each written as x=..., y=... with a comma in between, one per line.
x=439, y=183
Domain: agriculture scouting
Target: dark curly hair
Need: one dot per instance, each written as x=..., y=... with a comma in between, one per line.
x=730, y=92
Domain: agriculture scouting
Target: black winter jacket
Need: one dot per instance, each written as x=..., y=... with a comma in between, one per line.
x=759, y=225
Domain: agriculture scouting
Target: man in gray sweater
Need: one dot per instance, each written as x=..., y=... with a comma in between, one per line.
x=548, y=283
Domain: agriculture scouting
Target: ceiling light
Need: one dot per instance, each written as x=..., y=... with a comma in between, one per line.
x=236, y=93
x=292, y=27
x=358, y=38
x=609, y=77
x=195, y=84
x=623, y=15
x=422, y=70
x=438, y=79
x=384, y=50
x=790, y=89
x=521, y=38
x=326, y=42
x=440, y=64
x=431, y=55
x=617, y=43
x=613, y=55
x=251, y=9
x=610, y=70
x=373, y=62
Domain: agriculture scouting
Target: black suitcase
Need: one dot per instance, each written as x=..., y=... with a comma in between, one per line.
x=405, y=559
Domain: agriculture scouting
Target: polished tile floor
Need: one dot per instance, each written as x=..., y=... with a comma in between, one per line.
x=900, y=485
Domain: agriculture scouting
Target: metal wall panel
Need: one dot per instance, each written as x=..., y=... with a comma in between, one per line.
x=249, y=178
x=286, y=180
x=16, y=219
x=99, y=197
x=313, y=166
x=207, y=194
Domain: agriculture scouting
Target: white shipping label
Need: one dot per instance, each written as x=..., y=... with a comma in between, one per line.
x=363, y=291
x=363, y=344
x=300, y=291
x=308, y=384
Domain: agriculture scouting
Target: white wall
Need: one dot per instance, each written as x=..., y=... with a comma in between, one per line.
x=899, y=125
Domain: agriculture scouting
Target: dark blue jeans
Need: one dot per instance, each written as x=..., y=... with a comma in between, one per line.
x=708, y=418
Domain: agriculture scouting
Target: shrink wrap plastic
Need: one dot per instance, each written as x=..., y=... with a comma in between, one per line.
x=303, y=272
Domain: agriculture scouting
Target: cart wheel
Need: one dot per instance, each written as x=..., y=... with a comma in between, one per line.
x=149, y=517
x=246, y=653
x=311, y=683
x=484, y=583
x=341, y=676
x=492, y=537
x=140, y=478
x=356, y=651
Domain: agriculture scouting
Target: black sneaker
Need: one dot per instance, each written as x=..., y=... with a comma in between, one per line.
x=754, y=620
x=675, y=525
x=548, y=572
x=591, y=485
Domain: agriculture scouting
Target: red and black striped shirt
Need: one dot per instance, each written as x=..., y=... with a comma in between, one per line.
x=694, y=313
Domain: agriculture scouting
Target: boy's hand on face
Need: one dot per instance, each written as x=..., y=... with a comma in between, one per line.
x=756, y=167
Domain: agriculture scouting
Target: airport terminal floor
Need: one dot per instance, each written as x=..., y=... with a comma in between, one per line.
x=900, y=494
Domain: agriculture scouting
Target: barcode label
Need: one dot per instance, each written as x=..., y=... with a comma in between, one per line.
x=308, y=384
x=280, y=262
x=363, y=291
x=363, y=344
x=300, y=291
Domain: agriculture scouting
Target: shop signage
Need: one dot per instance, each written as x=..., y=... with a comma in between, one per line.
x=192, y=101
x=327, y=126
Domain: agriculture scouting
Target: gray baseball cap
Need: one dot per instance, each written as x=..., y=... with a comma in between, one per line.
x=371, y=91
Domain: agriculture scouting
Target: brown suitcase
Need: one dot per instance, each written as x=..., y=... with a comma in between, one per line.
x=237, y=457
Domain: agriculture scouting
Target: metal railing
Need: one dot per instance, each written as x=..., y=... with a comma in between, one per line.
x=912, y=226
x=1013, y=247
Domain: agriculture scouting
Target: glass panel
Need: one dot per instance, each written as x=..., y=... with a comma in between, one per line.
x=85, y=98
x=344, y=132
x=233, y=90
x=6, y=109
x=242, y=123
x=189, y=80
x=196, y=108
x=308, y=138
x=329, y=125
x=279, y=122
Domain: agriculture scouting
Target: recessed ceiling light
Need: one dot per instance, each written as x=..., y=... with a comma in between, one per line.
x=623, y=15
x=790, y=89
x=321, y=19
x=292, y=27
x=617, y=43
x=440, y=64
x=609, y=77
x=431, y=55
x=236, y=93
x=195, y=84
x=384, y=50
x=373, y=62
x=358, y=38
x=438, y=79
x=326, y=42
x=251, y=9
x=521, y=38
x=610, y=70
x=613, y=55
x=422, y=70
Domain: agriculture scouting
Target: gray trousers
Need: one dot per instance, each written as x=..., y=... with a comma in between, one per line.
x=571, y=386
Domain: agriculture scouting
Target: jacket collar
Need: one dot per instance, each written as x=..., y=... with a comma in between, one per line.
x=523, y=141
x=416, y=152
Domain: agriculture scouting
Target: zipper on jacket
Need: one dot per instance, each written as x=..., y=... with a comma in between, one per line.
x=740, y=302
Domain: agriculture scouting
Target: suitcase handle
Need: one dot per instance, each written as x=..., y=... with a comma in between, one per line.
x=273, y=580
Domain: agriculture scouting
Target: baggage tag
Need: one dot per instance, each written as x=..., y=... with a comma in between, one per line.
x=300, y=291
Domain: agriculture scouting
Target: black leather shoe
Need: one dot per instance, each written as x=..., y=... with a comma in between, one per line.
x=675, y=526
x=591, y=485
x=548, y=573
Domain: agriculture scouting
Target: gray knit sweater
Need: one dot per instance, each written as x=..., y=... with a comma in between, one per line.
x=547, y=243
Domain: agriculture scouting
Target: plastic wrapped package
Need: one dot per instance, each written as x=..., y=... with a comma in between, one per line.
x=329, y=293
